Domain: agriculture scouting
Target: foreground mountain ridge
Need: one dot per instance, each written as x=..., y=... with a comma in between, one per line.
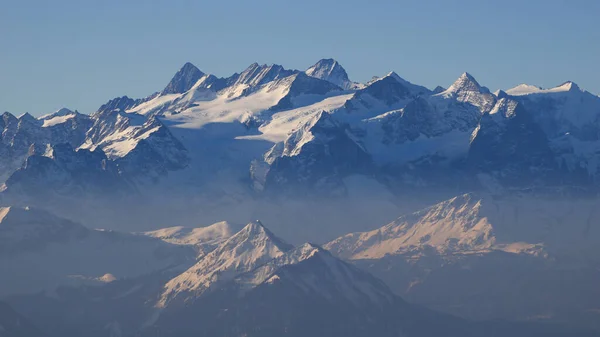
x=257, y=285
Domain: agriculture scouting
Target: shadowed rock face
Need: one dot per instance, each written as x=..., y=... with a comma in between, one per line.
x=183, y=80
x=330, y=70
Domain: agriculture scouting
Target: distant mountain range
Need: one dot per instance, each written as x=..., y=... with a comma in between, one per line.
x=494, y=196
x=305, y=131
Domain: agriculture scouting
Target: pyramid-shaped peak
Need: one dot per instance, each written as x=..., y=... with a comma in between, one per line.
x=27, y=117
x=466, y=82
x=183, y=80
x=248, y=249
x=189, y=66
x=8, y=116
x=395, y=76
x=255, y=225
x=255, y=231
x=332, y=71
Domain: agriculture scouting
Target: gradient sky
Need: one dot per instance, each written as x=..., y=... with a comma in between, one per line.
x=79, y=53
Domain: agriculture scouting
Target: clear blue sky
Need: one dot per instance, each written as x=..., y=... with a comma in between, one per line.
x=79, y=53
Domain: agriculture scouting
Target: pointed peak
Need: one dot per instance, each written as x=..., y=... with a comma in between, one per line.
x=391, y=76
x=466, y=82
x=183, y=80
x=395, y=76
x=256, y=224
x=7, y=115
x=467, y=75
x=332, y=71
x=189, y=66
x=256, y=229
x=27, y=117
x=324, y=65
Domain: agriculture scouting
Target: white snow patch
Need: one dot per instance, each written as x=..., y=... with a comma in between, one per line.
x=56, y=120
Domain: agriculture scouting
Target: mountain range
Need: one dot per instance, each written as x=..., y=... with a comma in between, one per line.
x=489, y=200
x=269, y=132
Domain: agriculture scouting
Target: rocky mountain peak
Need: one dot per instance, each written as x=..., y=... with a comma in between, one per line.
x=330, y=70
x=466, y=82
x=183, y=80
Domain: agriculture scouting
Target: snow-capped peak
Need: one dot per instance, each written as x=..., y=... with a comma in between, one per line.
x=467, y=90
x=324, y=68
x=330, y=70
x=465, y=82
x=249, y=248
x=183, y=80
x=526, y=89
x=523, y=89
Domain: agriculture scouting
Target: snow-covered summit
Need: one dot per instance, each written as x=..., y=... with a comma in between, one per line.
x=466, y=82
x=249, y=248
x=330, y=70
x=466, y=89
x=479, y=224
x=526, y=89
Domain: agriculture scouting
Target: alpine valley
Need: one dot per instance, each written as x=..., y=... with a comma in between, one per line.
x=129, y=221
